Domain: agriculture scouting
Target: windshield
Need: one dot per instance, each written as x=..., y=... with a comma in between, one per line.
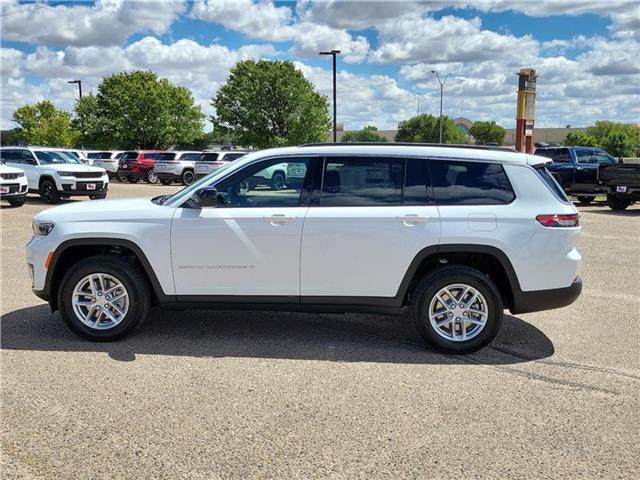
x=185, y=193
x=54, y=157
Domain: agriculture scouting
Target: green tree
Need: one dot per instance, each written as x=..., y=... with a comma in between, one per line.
x=270, y=103
x=487, y=132
x=580, y=139
x=10, y=137
x=619, y=139
x=44, y=124
x=367, y=134
x=426, y=128
x=139, y=110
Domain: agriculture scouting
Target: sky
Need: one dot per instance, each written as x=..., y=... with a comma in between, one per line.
x=586, y=53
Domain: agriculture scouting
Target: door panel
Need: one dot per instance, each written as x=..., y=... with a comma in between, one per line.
x=363, y=251
x=237, y=251
x=249, y=244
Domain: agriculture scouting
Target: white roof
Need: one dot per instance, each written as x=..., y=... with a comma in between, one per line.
x=389, y=149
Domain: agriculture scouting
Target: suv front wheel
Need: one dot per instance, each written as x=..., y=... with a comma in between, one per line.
x=103, y=298
x=457, y=309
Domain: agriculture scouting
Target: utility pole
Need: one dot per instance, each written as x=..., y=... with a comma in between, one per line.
x=441, y=93
x=79, y=82
x=334, y=53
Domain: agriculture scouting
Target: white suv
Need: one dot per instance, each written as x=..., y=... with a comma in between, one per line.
x=56, y=174
x=211, y=160
x=106, y=159
x=176, y=166
x=13, y=185
x=453, y=234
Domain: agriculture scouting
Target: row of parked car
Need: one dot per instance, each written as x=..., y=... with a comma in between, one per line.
x=56, y=173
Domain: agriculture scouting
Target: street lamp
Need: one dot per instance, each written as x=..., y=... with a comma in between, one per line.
x=79, y=82
x=335, y=125
x=441, y=89
x=418, y=99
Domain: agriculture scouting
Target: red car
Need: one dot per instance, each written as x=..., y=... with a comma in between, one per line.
x=138, y=165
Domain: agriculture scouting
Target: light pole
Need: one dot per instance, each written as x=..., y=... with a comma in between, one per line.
x=79, y=82
x=334, y=53
x=418, y=101
x=441, y=91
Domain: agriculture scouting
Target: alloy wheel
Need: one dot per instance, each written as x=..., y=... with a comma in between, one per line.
x=458, y=312
x=100, y=301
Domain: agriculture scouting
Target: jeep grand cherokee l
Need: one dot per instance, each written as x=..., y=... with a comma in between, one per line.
x=456, y=235
x=55, y=174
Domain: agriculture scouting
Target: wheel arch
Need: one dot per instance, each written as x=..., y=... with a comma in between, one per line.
x=487, y=259
x=71, y=251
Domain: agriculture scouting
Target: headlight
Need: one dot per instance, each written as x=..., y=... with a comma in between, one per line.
x=42, y=228
x=66, y=174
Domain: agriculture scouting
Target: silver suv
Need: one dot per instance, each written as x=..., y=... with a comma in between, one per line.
x=176, y=166
x=212, y=160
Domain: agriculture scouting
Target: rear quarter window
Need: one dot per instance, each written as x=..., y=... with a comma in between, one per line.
x=470, y=183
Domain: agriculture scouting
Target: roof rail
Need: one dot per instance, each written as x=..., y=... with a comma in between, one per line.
x=409, y=144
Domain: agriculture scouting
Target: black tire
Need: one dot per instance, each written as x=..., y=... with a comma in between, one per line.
x=98, y=196
x=132, y=280
x=165, y=181
x=278, y=181
x=617, y=203
x=49, y=192
x=584, y=200
x=122, y=179
x=432, y=283
x=151, y=177
x=188, y=177
x=133, y=179
x=17, y=201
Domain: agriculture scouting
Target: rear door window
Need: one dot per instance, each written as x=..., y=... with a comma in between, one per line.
x=190, y=156
x=129, y=156
x=208, y=157
x=585, y=156
x=417, y=185
x=362, y=182
x=470, y=183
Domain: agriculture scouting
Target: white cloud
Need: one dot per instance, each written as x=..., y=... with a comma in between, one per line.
x=265, y=21
x=449, y=39
x=108, y=22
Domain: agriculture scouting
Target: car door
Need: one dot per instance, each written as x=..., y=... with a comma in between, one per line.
x=586, y=174
x=27, y=162
x=248, y=245
x=367, y=223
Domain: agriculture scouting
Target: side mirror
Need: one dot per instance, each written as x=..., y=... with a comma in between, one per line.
x=206, y=197
x=620, y=160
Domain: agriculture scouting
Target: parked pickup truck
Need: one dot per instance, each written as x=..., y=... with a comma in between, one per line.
x=576, y=169
x=622, y=183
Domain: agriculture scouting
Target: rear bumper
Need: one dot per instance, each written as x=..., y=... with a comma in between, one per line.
x=538, y=300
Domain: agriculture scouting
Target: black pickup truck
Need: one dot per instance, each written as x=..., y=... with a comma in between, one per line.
x=577, y=169
x=622, y=183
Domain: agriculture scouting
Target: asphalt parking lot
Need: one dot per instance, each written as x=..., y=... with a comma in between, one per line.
x=205, y=394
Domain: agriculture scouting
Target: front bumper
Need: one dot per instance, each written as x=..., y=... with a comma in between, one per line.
x=10, y=190
x=539, y=300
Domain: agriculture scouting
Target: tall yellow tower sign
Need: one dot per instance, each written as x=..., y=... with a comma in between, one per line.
x=526, y=114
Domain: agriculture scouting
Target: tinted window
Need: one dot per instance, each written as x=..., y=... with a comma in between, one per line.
x=99, y=155
x=10, y=155
x=129, y=156
x=603, y=158
x=470, y=183
x=232, y=156
x=157, y=156
x=190, y=156
x=163, y=156
x=417, y=184
x=558, y=155
x=208, y=157
x=362, y=182
x=555, y=188
x=268, y=184
x=584, y=156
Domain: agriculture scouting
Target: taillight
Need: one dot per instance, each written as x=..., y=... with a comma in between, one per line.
x=569, y=220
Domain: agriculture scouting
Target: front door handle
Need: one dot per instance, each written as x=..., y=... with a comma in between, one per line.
x=279, y=219
x=412, y=219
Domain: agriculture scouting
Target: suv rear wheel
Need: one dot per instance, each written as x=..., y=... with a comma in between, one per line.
x=278, y=181
x=617, y=203
x=103, y=298
x=457, y=309
x=152, y=177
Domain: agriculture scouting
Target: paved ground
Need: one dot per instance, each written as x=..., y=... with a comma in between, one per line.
x=270, y=395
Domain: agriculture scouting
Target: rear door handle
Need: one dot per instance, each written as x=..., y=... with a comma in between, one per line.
x=411, y=219
x=279, y=219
